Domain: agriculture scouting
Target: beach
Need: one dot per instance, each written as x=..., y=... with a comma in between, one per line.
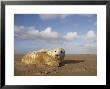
x=73, y=65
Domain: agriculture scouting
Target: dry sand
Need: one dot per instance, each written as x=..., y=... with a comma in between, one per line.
x=73, y=65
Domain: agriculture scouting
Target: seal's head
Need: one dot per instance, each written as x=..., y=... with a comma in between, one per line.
x=57, y=53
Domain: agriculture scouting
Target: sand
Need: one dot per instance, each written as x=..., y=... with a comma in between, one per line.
x=73, y=65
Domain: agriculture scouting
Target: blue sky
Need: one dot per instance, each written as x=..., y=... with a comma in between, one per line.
x=76, y=33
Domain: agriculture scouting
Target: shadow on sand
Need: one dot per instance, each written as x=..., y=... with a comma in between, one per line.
x=71, y=61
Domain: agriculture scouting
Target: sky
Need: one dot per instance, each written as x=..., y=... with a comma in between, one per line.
x=76, y=33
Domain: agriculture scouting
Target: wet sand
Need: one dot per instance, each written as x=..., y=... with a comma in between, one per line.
x=73, y=65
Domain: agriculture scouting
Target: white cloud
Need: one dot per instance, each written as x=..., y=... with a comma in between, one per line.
x=52, y=16
x=87, y=45
x=63, y=16
x=90, y=35
x=53, y=39
x=87, y=15
x=70, y=36
x=48, y=33
x=32, y=33
x=60, y=16
x=48, y=16
x=22, y=32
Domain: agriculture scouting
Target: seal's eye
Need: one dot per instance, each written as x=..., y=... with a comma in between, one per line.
x=55, y=51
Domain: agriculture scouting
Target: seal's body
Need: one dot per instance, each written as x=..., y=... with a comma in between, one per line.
x=45, y=57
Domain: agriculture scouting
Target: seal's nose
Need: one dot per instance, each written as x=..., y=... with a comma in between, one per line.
x=56, y=55
x=61, y=51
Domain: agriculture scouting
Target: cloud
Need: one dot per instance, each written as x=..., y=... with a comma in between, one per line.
x=52, y=16
x=90, y=35
x=33, y=33
x=48, y=16
x=92, y=45
x=70, y=36
x=84, y=48
x=54, y=39
x=22, y=32
x=87, y=15
x=90, y=48
x=63, y=16
x=48, y=33
x=60, y=16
